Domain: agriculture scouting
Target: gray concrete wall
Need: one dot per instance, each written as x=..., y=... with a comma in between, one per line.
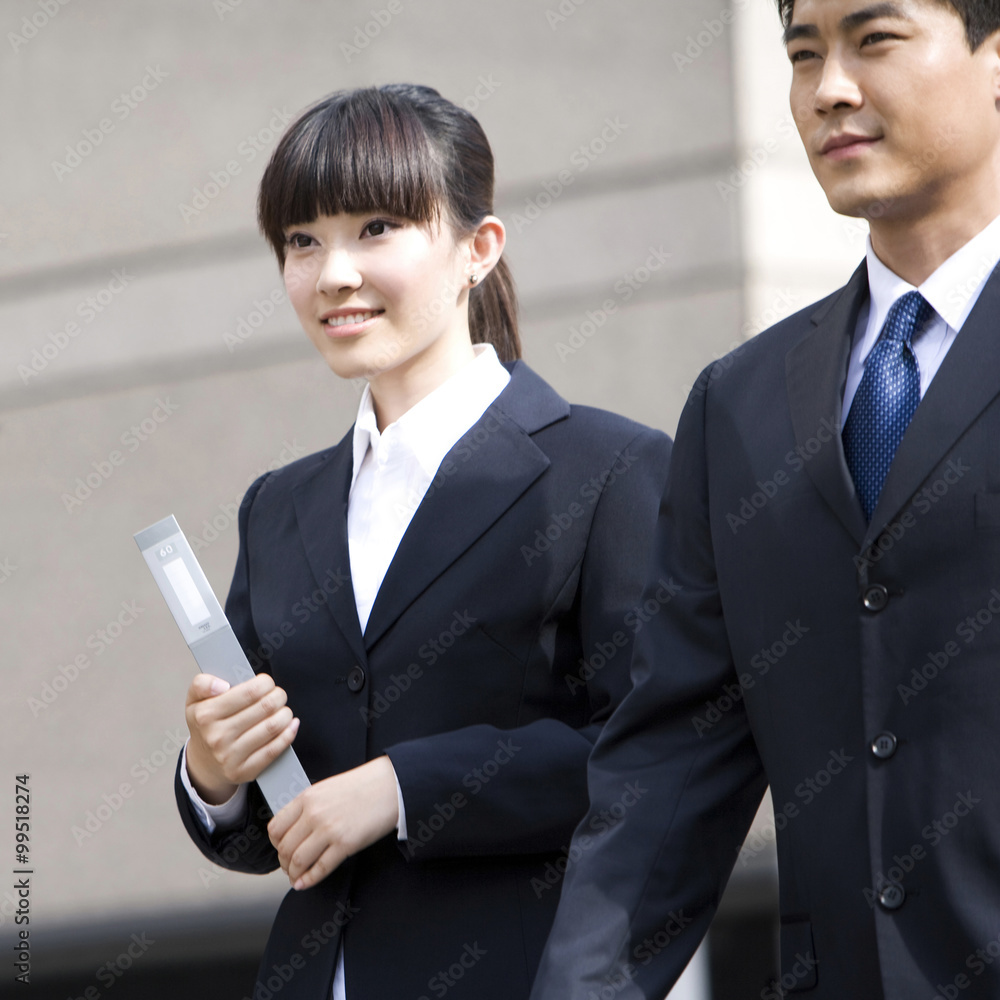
x=145, y=397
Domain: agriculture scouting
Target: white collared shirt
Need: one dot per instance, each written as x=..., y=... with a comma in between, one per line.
x=392, y=472
x=393, y=469
x=952, y=290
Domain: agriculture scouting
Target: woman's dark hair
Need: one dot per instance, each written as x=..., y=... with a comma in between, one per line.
x=400, y=149
x=981, y=17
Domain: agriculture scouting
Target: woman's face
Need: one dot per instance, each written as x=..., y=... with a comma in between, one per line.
x=379, y=296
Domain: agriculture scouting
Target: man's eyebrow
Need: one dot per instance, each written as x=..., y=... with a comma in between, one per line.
x=850, y=21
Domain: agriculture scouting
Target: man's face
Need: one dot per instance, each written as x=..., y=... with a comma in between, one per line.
x=899, y=119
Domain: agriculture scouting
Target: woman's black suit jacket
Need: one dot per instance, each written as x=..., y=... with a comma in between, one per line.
x=498, y=645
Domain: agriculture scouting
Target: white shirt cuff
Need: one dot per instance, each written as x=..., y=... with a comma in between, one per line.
x=228, y=813
x=401, y=825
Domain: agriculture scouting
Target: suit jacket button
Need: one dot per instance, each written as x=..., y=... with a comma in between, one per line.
x=892, y=896
x=884, y=745
x=875, y=597
x=356, y=679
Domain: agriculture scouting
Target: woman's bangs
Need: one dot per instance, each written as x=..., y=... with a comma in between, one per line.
x=351, y=156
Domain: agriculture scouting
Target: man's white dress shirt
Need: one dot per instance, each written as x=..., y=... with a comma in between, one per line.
x=952, y=290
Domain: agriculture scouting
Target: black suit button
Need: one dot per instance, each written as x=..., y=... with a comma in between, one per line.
x=356, y=679
x=875, y=597
x=884, y=745
x=892, y=896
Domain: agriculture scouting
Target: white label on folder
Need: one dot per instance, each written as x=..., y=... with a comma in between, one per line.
x=187, y=592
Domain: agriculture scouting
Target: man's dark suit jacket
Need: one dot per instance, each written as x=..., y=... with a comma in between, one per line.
x=498, y=645
x=855, y=667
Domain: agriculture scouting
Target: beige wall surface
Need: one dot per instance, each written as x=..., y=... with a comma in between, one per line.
x=147, y=349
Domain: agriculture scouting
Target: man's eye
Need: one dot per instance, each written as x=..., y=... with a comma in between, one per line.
x=877, y=36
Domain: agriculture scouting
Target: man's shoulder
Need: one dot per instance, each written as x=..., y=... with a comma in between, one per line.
x=766, y=351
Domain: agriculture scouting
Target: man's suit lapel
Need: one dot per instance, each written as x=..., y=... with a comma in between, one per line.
x=321, y=511
x=483, y=475
x=816, y=369
x=963, y=387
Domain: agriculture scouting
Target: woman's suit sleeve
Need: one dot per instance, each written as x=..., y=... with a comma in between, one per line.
x=481, y=790
x=244, y=847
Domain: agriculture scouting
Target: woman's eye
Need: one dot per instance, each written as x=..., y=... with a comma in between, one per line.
x=298, y=241
x=377, y=227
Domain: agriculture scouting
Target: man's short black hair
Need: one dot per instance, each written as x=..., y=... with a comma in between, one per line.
x=981, y=17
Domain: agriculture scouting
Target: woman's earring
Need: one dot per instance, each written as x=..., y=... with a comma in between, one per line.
x=473, y=278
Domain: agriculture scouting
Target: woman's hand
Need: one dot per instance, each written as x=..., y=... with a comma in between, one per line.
x=235, y=732
x=333, y=819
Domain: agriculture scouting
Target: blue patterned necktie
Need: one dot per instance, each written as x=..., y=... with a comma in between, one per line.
x=886, y=399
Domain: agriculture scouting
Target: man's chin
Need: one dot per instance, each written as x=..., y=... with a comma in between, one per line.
x=868, y=204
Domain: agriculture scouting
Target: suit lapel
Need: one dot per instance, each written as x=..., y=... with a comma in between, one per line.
x=321, y=512
x=963, y=387
x=482, y=476
x=816, y=369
